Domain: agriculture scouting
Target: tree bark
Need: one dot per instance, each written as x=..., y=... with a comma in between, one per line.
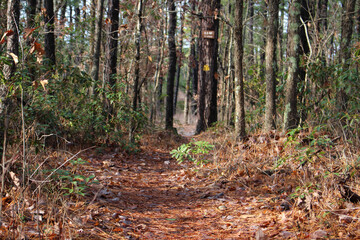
x=239, y=84
x=347, y=23
x=12, y=46
x=157, y=92
x=169, y=118
x=271, y=65
x=97, y=49
x=178, y=70
x=49, y=35
x=207, y=114
x=137, y=68
x=291, y=118
x=112, y=44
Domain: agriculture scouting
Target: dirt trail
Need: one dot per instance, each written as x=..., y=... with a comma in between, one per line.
x=150, y=196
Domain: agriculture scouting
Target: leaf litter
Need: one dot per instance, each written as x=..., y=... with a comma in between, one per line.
x=148, y=195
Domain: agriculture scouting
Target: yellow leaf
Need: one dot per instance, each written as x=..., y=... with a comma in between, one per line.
x=206, y=68
x=150, y=58
x=14, y=57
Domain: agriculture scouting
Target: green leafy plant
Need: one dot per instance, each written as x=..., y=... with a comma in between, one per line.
x=194, y=151
x=72, y=183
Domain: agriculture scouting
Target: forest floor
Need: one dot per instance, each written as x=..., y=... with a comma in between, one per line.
x=148, y=195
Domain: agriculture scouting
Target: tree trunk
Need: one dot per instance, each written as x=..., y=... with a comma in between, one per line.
x=229, y=93
x=156, y=95
x=239, y=84
x=112, y=44
x=194, y=52
x=137, y=68
x=178, y=71
x=251, y=55
x=291, y=118
x=271, y=66
x=31, y=12
x=169, y=118
x=49, y=33
x=12, y=46
x=190, y=102
x=208, y=66
x=304, y=51
x=347, y=23
x=97, y=49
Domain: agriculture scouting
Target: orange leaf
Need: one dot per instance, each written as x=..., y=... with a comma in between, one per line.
x=28, y=32
x=7, y=33
x=118, y=229
x=38, y=48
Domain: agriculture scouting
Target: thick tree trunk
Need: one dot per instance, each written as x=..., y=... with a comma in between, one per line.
x=271, y=66
x=49, y=33
x=291, y=118
x=208, y=66
x=239, y=84
x=169, y=118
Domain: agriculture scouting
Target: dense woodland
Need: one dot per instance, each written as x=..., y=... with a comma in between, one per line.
x=274, y=83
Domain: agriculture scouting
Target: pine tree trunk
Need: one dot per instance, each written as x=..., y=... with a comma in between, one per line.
x=271, y=65
x=291, y=118
x=169, y=118
x=207, y=114
x=239, y=84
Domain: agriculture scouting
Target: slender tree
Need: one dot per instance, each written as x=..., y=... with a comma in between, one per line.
x=137, y=67
x=97, y=48
x=180, y=58
x=271, y=65
x=12, y=47
x=239, y=84
x=49, y=33
x=169, y=118
x=112, y=43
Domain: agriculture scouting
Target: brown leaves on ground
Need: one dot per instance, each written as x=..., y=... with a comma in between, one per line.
x=238, y=196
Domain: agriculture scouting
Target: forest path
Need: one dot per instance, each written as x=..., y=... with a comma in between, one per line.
x=149, y=196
